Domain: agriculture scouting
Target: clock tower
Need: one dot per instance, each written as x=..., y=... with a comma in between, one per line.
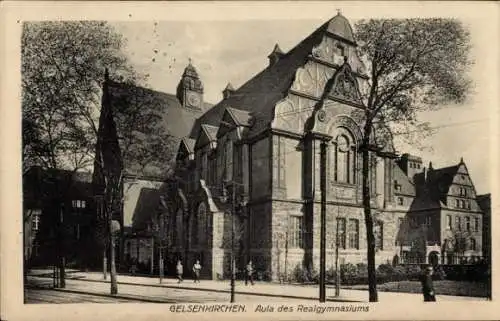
x=190, y=88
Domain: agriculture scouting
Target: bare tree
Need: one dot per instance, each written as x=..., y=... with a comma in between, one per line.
x=413, y=65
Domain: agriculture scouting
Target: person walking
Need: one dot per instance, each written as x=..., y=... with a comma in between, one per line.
x=180, y=270
x=196, y=271
x=427, y=287
x=249, y=273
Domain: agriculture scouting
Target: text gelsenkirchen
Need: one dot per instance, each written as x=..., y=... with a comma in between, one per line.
x=195, y=308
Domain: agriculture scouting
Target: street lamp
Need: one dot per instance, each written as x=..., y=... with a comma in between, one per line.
x=224, y=199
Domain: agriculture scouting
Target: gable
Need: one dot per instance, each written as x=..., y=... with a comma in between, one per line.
x=345, y=86
x=227, y=124
x=186, y=148
x=208, y=134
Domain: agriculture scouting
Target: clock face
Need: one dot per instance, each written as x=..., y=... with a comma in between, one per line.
x=193, y=99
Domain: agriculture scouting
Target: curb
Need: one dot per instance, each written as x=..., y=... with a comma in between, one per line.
x=219, y=291
x=118, y=296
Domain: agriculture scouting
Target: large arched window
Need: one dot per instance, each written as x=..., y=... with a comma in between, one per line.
x=178, y=228
x=201, y=217
x=344, y=159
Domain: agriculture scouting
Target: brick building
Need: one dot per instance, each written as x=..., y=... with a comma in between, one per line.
x=259, y=146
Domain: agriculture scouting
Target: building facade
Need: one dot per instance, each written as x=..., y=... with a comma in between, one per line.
x=58, y=217
x=247, y=174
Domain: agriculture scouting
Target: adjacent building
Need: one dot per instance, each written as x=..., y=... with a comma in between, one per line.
x=58, y=217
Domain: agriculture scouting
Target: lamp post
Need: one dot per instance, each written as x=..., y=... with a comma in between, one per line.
x=232, y=185
x=322, y=258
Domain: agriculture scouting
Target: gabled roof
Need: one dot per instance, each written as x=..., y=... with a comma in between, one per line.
x=240, y=117
x=484, y=202
x=164, y=116
x=439, y=180
x=189, y=143
x=186, y=147
x=146, y=207
x=207, y=135
x=211, y=131
x=261, y=93
x=341, y=27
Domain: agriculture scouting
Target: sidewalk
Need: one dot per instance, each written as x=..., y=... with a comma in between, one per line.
x=309, y=292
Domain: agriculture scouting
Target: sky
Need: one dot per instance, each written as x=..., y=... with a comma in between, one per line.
x=234, y=50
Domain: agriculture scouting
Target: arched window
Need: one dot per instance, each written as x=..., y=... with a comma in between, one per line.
x=344, y=158
x=473, y=244
x=202, y=222
x=178, y=228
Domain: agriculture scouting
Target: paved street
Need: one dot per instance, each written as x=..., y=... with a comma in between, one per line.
x=91, y=286
x=80, y=291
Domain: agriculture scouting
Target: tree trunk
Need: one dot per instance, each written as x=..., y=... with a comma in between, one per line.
x=160, y=262
x=370, y=239
x=112, y=265
x=62, y=249
x=112, y=268
x=105, y=264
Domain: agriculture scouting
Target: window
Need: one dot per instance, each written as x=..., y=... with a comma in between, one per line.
x=35, y=222
x=468, y=205
x=458, y=223
x=467, y=224
x=400, y=222
x=418, y=166
x=345, y=159
x=296, y=232
x=428, y=220
x=179, y=228
x=201, y=218
x=78, y=204
x=476, y=224
x=203, y=166
x=341, y=227
x=472, y=243
x=228, y=161
x=353, y=230
x=400, y=201
x=378, y=231
x=448, y=222
x=238, y=162
x=340, y=50
x=462, y=202
x=399, y=229
x=397, y=187
x=212, y=173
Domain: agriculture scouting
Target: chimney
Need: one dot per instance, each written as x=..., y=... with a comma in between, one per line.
x=227, y=91
x=275, y=55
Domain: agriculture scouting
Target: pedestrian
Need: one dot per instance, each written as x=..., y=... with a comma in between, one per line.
x=180, y=271
x=196, y=271
x=427, y=287
x=249, y=273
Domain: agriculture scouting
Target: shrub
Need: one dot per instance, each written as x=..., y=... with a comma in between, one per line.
x=385, y=269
